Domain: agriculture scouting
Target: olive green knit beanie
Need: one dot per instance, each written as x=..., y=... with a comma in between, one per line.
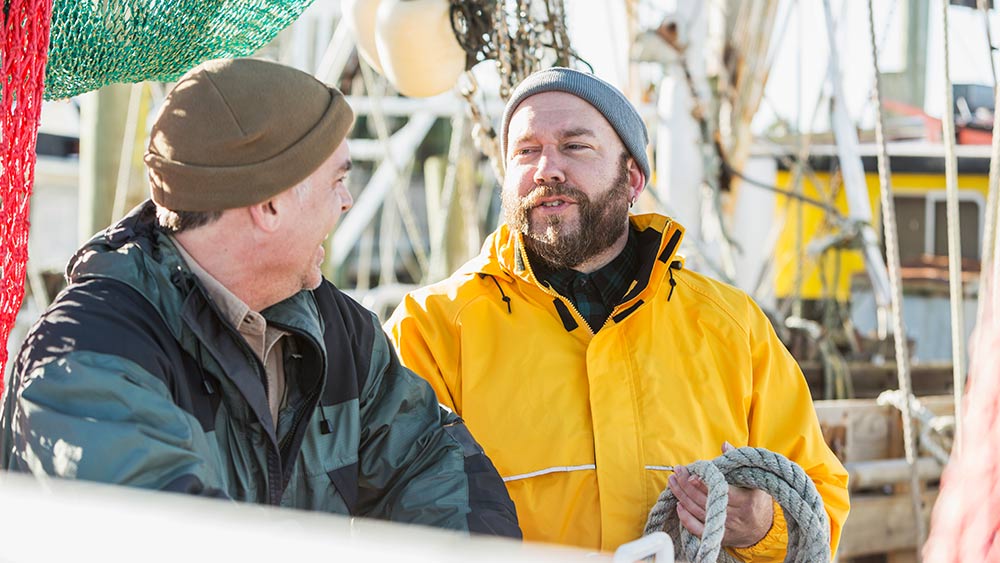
x=236, y=132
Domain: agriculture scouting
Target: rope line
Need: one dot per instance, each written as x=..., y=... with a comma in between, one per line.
x=954, y=236
x=896, y=291
x=758, y=468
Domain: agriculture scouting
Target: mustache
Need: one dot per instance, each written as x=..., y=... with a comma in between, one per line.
x=552, y=190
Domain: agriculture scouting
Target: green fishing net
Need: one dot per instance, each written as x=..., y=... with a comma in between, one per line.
x=100, y=42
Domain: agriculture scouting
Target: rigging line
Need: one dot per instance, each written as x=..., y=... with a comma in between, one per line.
x=785, y=192
x=821, y=95
x=799, y=160
x=954, y=237
x=400, y=182
x=881, y=48
x=697, y=247
x=896, y=290
x=990, y=227
x=775, y=46
x=711, y=153
x=797, y=184
x=770, y=266
x=126, y=158
x=984, y=6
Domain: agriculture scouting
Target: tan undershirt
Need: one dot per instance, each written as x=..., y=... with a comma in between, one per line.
x=265, y=341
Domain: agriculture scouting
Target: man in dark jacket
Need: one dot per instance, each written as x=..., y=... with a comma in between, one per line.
x=198, y=349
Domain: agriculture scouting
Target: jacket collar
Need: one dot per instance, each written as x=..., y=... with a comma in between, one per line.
x=503, y=255
x=137, y=252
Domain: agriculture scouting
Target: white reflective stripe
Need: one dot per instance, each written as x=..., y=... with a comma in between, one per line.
x=564, y=469
x=660, y=467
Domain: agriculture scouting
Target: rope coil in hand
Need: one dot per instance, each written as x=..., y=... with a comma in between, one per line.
x=757, y=468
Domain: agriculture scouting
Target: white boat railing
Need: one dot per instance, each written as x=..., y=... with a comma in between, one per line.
x=56, y=520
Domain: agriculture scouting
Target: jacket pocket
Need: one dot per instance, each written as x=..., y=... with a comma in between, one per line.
x=345, y=480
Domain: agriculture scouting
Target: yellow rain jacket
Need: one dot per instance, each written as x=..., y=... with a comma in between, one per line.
x=582, y=426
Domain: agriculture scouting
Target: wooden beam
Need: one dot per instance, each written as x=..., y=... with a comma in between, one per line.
x=869, y=380
x=881, y=524
x=861, y=430
x=882, y=472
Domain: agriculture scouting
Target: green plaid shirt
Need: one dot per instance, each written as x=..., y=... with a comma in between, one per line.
x=596, y=294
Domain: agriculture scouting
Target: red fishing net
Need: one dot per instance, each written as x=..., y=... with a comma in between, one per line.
x=966, y=521
x=23, y=49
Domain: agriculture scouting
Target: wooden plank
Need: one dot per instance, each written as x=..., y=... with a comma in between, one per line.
x=856, y=429
x=881, y=472
x=904, y=556
x=869, y=380
x=881, y=524
x=861, y=430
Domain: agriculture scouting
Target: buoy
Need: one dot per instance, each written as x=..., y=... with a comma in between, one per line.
x=417, y=47
x=360, y=15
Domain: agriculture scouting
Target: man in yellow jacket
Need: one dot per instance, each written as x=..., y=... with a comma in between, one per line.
x=587, y=361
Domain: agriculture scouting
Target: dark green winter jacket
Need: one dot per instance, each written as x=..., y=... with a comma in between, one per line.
x=132, y=377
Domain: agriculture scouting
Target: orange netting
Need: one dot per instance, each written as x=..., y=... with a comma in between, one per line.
x=966, y=521
x=23, y=50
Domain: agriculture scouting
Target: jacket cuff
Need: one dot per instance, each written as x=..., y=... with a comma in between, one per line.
x=774, y=544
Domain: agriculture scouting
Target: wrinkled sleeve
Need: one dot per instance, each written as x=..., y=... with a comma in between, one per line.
x=783, y=420
x=99, y=417
x=429, y=347
x=418, y=462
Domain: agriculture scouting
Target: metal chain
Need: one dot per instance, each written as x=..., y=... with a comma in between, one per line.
x=484, y=30
x=483, y=134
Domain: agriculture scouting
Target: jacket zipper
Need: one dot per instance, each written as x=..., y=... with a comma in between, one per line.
x=572, y=307
x=312, y=398
x=273, y=457
x=555, y=294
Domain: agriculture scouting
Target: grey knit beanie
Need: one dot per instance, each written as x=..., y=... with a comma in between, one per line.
x=605, y=98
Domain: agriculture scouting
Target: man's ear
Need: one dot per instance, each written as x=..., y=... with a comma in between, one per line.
x=265, y=215
x=636, y=179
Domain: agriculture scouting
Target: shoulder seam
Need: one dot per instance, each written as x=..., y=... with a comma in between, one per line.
x=744, y=327
x=475, y=298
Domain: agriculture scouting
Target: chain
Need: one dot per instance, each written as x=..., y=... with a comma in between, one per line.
x=519, y=41
x=483, y=134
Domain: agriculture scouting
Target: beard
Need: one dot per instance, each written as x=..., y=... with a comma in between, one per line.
x=556, y=241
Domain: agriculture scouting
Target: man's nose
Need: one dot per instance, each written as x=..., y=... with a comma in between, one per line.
x=347, y=201
x=549, y=169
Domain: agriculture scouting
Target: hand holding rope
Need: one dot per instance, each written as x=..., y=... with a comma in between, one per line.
x=758, y=468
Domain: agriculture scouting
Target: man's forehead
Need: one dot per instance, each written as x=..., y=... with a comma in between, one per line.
x=562, y=110
x=341, y=156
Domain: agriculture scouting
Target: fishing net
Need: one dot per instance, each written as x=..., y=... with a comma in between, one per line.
x=100, y=42
x=23, y=46
x=95, y=43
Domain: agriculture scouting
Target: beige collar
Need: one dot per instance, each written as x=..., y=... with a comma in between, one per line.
x=233, y=309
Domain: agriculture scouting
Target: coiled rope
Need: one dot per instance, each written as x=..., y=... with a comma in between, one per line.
x=758, y=468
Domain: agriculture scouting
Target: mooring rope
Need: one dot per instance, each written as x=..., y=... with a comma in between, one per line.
x=891, y=237
x=757, y=468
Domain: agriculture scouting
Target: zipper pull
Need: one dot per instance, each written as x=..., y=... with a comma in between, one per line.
x=325, y=426
x=675, y=265
x=205, y=381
